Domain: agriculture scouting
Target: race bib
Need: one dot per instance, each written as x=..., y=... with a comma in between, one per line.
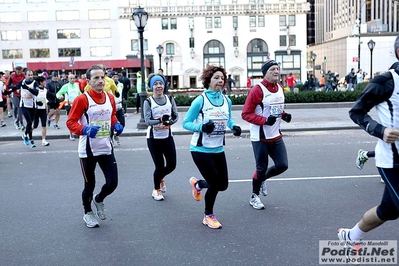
x=105, y=128
x=220, y=127
x=276, y=109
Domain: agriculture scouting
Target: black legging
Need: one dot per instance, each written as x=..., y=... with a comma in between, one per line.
x=162, y=150
x=262, y=150
x=109, y=167
x=213, y=167
x=29, y=114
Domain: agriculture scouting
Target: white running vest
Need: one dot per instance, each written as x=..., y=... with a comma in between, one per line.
x=118, y=100
x=96, y=115
x=159, y=131
x=41, y=97
x=388, y=116
x=27, y=98
x=220, y=116
x=273, y=104
x=72, y=92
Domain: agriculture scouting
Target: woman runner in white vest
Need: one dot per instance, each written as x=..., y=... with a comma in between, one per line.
x=160, y=112
x=208, y=117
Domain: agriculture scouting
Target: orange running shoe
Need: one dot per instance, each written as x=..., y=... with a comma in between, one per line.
x=211, y=221
x=197, y=193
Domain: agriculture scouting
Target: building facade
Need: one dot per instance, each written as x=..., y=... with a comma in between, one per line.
x=343, y=29
x=237, y=34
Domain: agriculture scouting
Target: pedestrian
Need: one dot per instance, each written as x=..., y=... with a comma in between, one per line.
x=160, y=113
x=359, y=76
x=41, y=109
x=166, y=89
x=92, y=117
x=264, y=110
x=381, y=93
x=120, y=115
x=14, y=79
x=53, y=86
x=138, y=91
x=327, y=80
x=29, y=90
x=9, y=96
x=322, y=83
x=351, y=80
x=3, y=100
x=126, y=88
x=230, y=83
x=208, y=117
x=68, y=94
x=249, y=83
x=290, y=80
x=109, y=85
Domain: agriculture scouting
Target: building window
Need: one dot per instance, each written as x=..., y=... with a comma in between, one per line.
x=101, y=51
x=37, y=16
x=66, y=0
x=165, y=24
x=68, y=52
x=191, y=40
x=235, y=41
x=292, y=40
x=191, y=23
x=282, y=21
x=36, y=1
x=252, y=21
x=100, y=33
x=10, y=16
x=170, y=48
x=283, y=40
x=38, y=34
x=100, y=14
x=12, y=53
x=9, y=1
x=135, y=45
x=208, y=23
x=261, y=21
x=173, y=24
x=235, y=22
x=291, y=20
x=63, y=15
x=289, y=61
x=68, y=34
x=39, y=53
x=11, y=35
x=218, y=22
x=214, y=53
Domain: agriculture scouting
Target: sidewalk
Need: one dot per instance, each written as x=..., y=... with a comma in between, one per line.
x=305, y=117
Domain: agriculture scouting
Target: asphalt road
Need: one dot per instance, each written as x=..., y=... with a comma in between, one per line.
x=41, y=215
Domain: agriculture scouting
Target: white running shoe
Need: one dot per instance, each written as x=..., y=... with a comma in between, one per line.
x=157, y=194
x=263, y=188
x=45, y=143
x=352, y=247
x=255, y=202
x=90, y=220
x=100, y=209
x=361, y=158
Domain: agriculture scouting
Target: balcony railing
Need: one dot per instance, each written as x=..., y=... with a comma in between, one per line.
x=219, y=10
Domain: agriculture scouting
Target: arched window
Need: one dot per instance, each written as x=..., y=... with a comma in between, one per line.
x=170, y=48
x=257, y=53
x=214, y=53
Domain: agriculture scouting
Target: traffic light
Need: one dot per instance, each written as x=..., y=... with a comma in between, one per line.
x=325, y=59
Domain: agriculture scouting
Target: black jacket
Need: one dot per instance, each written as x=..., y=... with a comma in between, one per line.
x=52, y=88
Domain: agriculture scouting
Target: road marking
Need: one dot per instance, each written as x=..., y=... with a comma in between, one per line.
x=308, y=178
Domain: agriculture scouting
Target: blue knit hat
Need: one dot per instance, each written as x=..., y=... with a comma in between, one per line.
x=155, y=79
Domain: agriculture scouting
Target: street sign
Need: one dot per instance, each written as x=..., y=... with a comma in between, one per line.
x=71, y=61
x=355, y=59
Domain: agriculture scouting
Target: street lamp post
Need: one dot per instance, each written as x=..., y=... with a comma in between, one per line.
x=171, y=71
x=314, y=59
x=371, y=45
x=160, y=51
x=140, y=19
x=166, y=59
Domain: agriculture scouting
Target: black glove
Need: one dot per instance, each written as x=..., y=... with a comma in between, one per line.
x=165, y=120
x=286, y=117
x=208, y=127
x=39, y=103
x=117, y=94
x=236, y=131
x=24, y=86
x=271, y=120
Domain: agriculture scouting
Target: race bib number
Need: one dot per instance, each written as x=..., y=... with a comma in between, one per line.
x=105, y=128
x=220, y=127
x=276, y=109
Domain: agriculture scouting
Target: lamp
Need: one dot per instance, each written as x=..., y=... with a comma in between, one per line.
x=236, y=52
x=166, y=59
x=288, y=50
x=160, y=51
x=371, y=45
x=314, y=59
x=192, y=53
x=140, y=19
x=171, y=71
